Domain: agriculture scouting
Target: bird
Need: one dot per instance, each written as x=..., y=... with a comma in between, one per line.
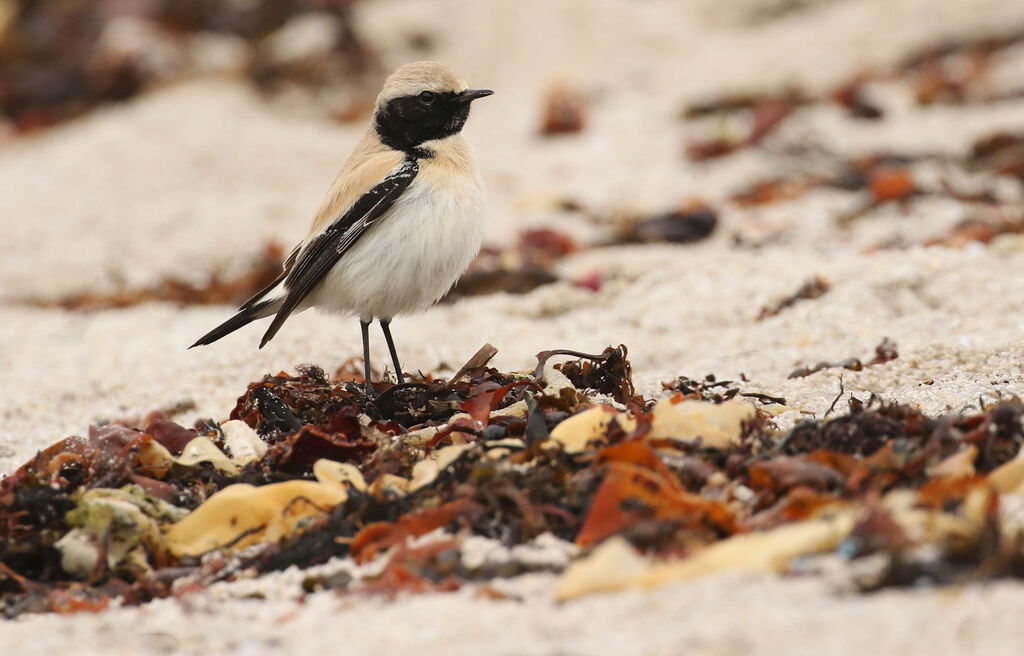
x=401, y=222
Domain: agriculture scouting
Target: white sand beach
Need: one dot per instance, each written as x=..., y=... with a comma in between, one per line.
x=200, y=175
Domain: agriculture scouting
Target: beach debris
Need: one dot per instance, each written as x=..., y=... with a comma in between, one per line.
x=718, y=391
x=952, y=72
x=219, y=288
x=854, y=96
x=606, y=373
x=629, y=491
x=816, y=287
x=984, y=181
x=616, y=565
x=241, y=515
x=687, y=224
x=716, y=425
x=890, y=183
x=641, y=498
x=115, y=530
x=62, y=59
x=532, y=261
x=774, y=190
x=578, y=432
x=753, y=117
x=565, y=111
x=958, y=465
x=884, y=352
x=516, y=270
x=1002, y=152
x=977, y=231
x=885, y=178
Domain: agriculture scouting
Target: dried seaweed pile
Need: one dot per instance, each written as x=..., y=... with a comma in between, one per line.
x=966, y=73
x=956, y=72
x=308, y=468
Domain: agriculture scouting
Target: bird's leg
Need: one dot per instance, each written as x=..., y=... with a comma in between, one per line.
x=385, y=325
x=365, y=326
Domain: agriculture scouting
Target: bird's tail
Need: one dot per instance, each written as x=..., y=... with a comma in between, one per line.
x=244, y=316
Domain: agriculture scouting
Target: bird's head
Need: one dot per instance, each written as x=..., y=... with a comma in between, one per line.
x=422, y=101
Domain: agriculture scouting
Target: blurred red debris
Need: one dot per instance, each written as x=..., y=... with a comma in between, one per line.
x=564, y=111
x=381, y=535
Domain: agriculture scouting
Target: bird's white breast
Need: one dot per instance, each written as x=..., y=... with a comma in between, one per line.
x=414, y=253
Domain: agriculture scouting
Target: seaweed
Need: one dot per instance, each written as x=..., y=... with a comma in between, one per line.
x=414, y=469
x=816, y=287
x=884, y=352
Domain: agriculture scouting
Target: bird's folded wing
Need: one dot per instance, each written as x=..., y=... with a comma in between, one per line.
x=323, y=251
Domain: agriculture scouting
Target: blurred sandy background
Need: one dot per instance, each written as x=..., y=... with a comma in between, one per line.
x=229, y=135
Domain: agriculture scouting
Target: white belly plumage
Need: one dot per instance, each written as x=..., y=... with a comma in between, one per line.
x=411, y=257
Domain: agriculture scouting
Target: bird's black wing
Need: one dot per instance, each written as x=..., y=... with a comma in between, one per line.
x=323, y=252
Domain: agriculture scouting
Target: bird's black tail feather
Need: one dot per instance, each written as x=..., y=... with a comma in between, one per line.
x=243, y=318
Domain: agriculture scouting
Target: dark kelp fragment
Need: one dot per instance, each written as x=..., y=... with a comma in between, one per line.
x=884, y=352
x=608, y=373
x=816, y=287
x=680, y=226
x=716, y=391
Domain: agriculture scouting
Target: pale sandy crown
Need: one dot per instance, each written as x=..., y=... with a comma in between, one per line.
x=415, y=77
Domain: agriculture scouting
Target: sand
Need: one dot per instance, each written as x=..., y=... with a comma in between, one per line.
x=200, y=175
x=724, y=616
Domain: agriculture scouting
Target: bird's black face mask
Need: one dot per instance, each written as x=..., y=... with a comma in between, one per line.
x=407, y=121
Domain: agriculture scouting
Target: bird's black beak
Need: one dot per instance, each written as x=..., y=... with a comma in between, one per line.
x=469, y=95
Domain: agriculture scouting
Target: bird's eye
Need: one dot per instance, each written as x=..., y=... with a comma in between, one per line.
x=427, y=97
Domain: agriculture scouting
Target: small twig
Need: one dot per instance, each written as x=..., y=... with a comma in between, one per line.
x=766, y=398
x=478, y=361
x=832, y=407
